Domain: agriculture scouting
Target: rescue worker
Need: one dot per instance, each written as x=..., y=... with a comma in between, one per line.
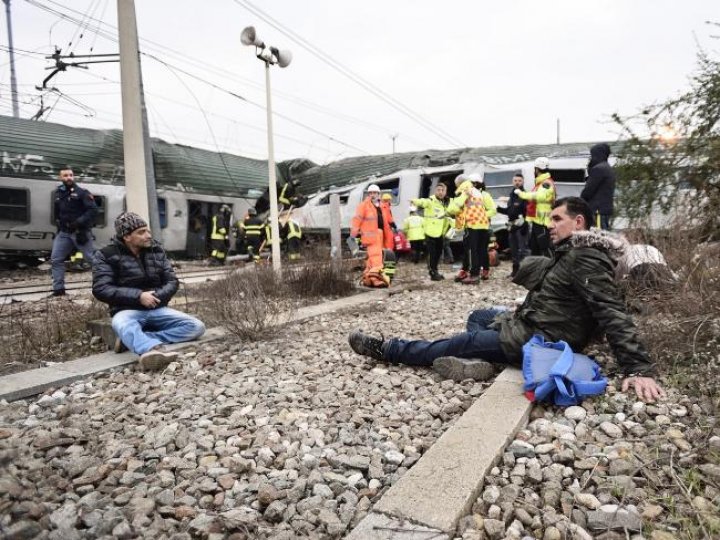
x=540, y=201
x=75, y=211
x=292, y=234
x=516, y=210
x=413, y=227
x=253, y=227
x=219, y=236
x=287, y=197
x=474, y=207
x=368, y=226
x=435, y=225
x=599, y=189
x=389, y=226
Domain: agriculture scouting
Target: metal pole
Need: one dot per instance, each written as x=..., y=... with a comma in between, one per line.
x=274, y=226
x=149, y=166
x=11, y=53
x=335, y=234
x=136, y=190
x=557, y=131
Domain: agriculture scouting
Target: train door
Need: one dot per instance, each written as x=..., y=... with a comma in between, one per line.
x=200, y=215
x=428, y=183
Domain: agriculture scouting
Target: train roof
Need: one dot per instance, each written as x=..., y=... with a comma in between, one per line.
x=357, y=169
x=34, y=149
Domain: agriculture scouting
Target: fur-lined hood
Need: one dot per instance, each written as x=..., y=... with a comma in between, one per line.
x=615, y=244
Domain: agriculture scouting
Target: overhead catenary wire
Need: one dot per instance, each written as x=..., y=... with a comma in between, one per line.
x=367, y=85
x=111, y=35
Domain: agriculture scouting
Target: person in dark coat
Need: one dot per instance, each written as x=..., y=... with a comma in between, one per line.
x=599, y=189
x=75, y=211
x=517, y=226
x=134, y=277
x=572, y=297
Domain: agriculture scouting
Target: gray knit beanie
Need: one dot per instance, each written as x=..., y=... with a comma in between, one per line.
x=126, y=223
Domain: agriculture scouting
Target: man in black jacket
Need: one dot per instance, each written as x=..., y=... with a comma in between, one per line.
x=599, y=187
x=75, y=211
x=517, y=226
x=134, y=277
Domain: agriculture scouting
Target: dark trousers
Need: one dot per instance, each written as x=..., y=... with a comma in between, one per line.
x=539, y=240
x=518, y=237
x=604, y=221
x=253, y=244
x=476, y=255
x=417, y=246
x=434, y=249
x=478, y=342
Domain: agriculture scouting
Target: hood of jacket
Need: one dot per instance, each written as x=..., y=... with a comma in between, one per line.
x=598, y=153
x=614, y=244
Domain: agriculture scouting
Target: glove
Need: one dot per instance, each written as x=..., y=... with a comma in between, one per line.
x=519, y=221
x=81, y=237
x=517, y=192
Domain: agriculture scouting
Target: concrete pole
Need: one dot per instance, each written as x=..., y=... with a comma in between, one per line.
x=335, y=236
x=136, y=191
x=11, y=53
x=274, y=226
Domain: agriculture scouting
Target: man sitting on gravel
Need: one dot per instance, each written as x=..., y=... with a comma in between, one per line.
x=572, y=296
x=134, y=277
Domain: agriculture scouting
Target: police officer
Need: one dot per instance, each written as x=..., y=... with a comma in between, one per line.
x=75, y=211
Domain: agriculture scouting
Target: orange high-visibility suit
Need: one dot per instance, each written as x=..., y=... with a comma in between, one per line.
x=365, y=223
x=388, y=221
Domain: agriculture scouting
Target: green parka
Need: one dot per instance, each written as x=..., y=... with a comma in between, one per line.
x=572, y=297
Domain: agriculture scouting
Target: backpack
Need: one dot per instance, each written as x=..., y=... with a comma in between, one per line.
x=554, y=373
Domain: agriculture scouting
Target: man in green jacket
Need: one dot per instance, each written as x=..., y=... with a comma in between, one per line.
x=435, y=225
x=572, y=297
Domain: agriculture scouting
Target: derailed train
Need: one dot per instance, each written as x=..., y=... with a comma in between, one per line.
x=192, y=183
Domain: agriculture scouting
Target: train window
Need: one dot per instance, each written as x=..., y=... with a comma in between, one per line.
x=15, y=205
x=344, y=196
x=388, y=186
x=499, y=183
x=568, y=182
x=162, y=210
x=430, y=182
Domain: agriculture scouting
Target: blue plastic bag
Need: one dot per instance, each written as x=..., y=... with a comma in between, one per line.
x=553, y=372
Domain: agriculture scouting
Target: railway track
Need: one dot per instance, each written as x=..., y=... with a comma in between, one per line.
x=34, y=291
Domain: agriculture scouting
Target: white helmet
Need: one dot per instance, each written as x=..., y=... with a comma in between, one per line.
x=542, y=163
x=373, y=188
x=413, y=208
x=474, y=178
x=459, y=179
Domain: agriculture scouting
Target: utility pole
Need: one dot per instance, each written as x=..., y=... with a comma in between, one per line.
x=557, y=131
x=393, y=137
x=140, y=191
x=11, y=52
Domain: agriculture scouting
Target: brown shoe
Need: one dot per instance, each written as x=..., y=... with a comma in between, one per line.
x=462, y=274
x=485, y=274
x=459, y=369
x=156, y=359
x=119, y=346
x=470, y=280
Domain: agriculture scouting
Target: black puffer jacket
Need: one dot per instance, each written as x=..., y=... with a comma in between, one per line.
x=119, y=277
x=599, y=189
x=572, y=296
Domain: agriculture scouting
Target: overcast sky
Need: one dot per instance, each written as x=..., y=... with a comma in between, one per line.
x=475, y=73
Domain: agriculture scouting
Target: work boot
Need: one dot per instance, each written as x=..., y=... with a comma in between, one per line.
x=59, y=292
x=471, y=280
x=462, y=274
x=156, y=359
x=459, y=369
x=485, y=274
x=366, y=346
x=436, y=277
x=119, y=346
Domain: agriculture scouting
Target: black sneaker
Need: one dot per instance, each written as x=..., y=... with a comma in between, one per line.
x=366, y=346
x=459, y=369
x=59, y=292
x=436, y=277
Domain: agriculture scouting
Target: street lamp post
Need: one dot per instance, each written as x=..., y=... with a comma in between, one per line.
x=269, y=55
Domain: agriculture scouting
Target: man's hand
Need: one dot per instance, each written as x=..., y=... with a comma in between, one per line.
x=149, y=300
x=517, y=191
x=645, y=387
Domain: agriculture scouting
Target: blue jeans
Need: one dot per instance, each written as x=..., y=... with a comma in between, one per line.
x=65, y=244
x=478, y=342
x=141, y=330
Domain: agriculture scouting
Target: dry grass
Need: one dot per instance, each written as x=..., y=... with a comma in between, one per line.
x=52, y=330
x=250, y=301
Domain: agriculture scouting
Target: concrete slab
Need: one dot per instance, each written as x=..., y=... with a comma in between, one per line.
x=442, y=486
x=380, y=527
